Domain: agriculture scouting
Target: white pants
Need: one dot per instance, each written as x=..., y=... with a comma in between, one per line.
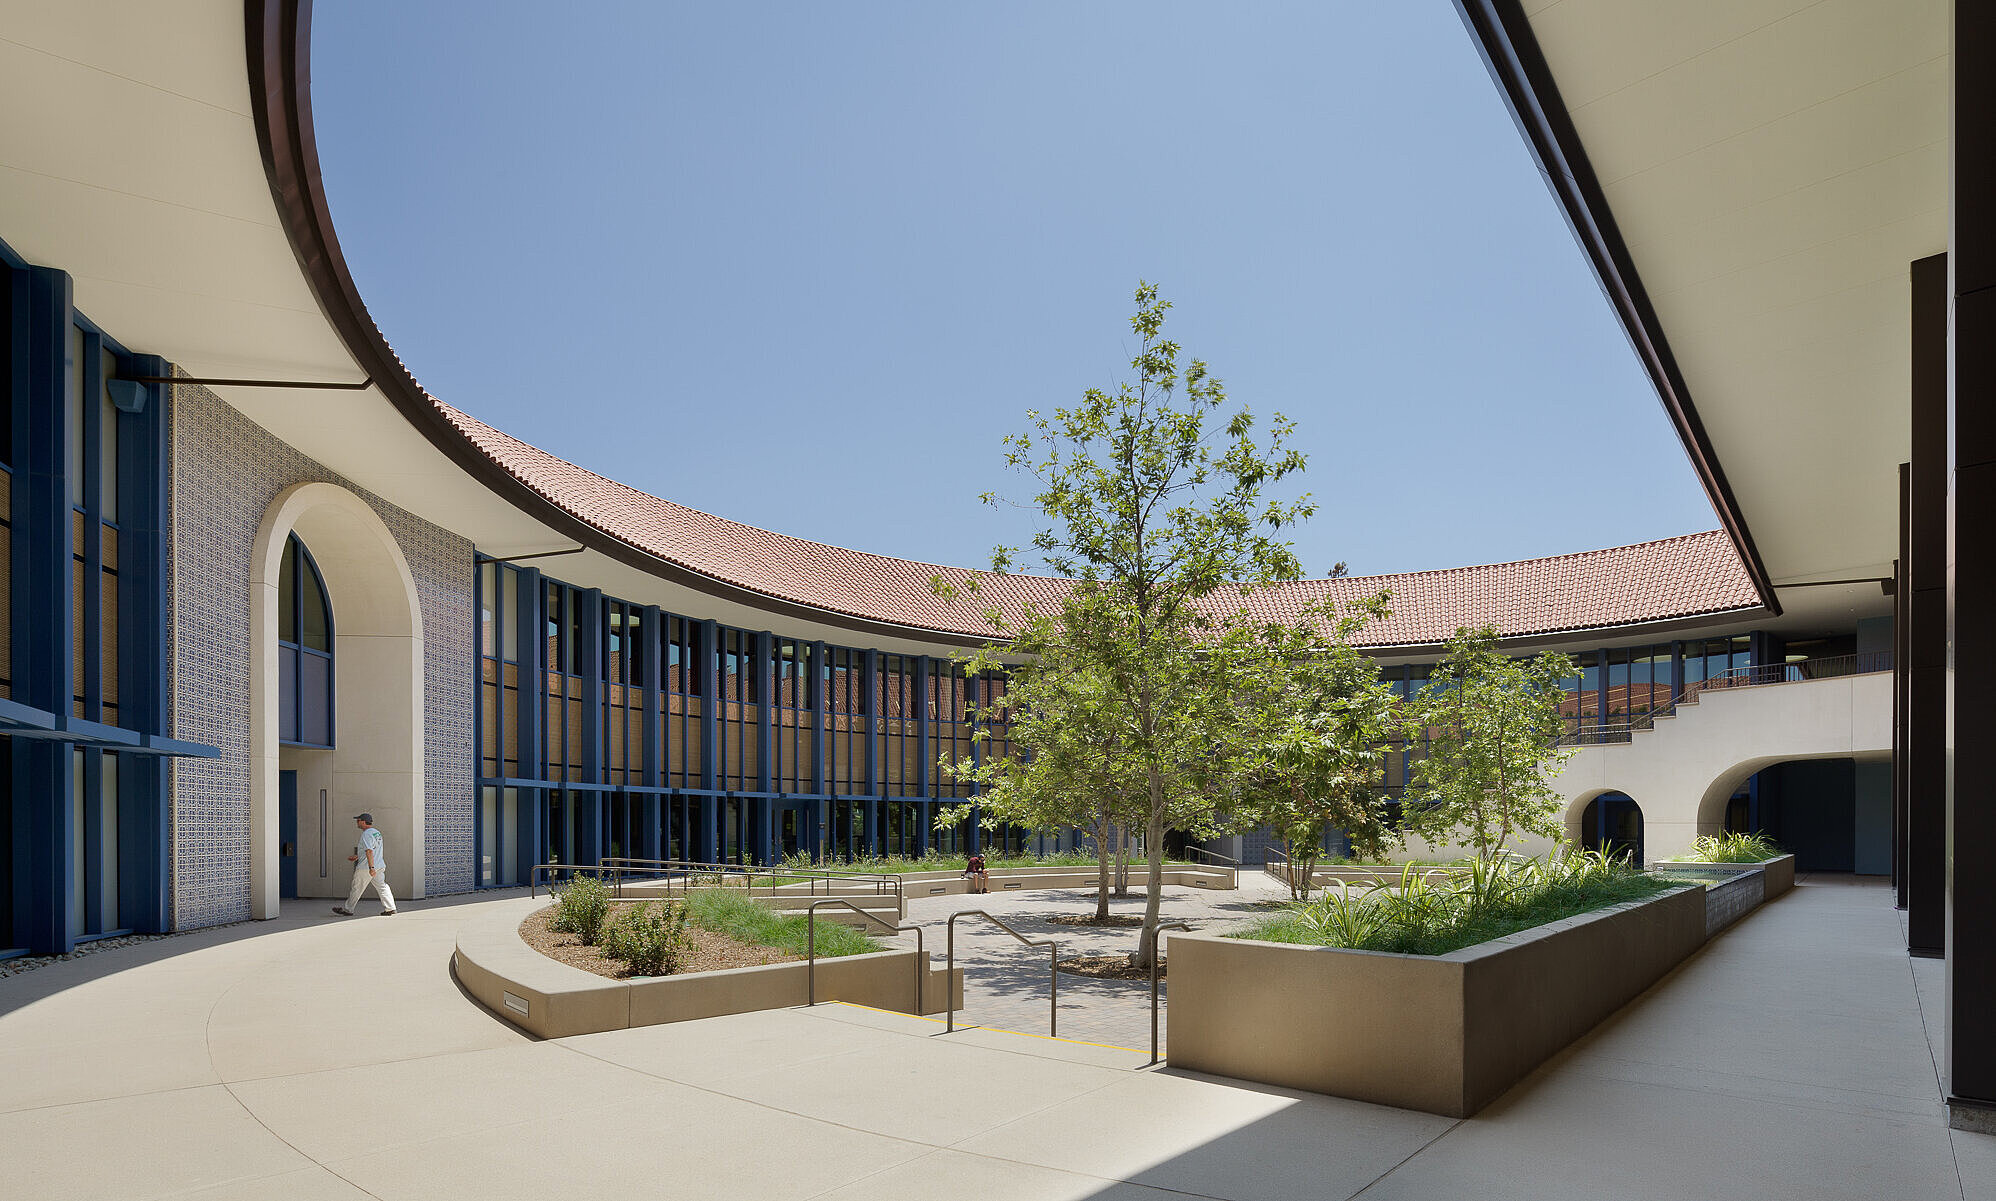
x=360, y=882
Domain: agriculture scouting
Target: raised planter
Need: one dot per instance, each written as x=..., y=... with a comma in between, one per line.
x=1777, y=874
x=1442, y=1033
x=554, y=1000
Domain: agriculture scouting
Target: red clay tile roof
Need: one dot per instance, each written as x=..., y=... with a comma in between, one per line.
x=1687, y=576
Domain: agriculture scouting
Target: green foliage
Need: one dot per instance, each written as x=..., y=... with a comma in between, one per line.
x=1155, y=505
x=1317, y=721
x=650, y=937
x=1484, y=898
x=745, y=920
x=581, y=908
x=1493, y=725
x=1731, y=848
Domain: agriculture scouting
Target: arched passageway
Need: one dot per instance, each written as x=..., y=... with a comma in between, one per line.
x=307, y=783
x=1833, y=812
x=1613, y=822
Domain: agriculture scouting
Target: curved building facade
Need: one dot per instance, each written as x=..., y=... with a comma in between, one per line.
x=259, y=580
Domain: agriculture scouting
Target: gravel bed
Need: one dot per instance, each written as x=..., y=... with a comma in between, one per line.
x=711, y=952
x=28, y=963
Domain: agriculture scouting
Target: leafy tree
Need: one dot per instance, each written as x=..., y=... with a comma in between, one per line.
x=1156, y=508
x=1076, y=776
x=1321, y=719
x=1492, y=724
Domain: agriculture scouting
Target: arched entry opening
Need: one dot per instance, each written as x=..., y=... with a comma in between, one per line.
x=336, y=714
x=1613, y=822
x=1833, y=812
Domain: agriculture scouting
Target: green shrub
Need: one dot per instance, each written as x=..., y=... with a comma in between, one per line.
x=650, y=938
x=1476, y=902
x=1731, y=848
x=581, y=908
x=744, y=920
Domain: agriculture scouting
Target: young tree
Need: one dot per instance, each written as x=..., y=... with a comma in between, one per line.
x=1321, y=720
x=1493, y=725
x=1075, y=777
x=1156, y=508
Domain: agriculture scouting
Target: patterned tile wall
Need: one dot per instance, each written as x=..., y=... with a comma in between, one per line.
x=226, y=471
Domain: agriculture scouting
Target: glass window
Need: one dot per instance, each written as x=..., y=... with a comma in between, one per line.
x=487, y=577
x=509, y=611
x=107, y=441
x=553, y=615
x=287, y=587
x=315, y=622
x=6, y=373
x=72, y=390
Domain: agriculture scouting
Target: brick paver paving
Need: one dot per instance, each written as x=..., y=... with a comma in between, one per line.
x=1005, y=984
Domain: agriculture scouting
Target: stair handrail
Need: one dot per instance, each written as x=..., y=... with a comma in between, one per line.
x=883, y=882
x=1053, y=969
x=811, y=950
x=1156, y=957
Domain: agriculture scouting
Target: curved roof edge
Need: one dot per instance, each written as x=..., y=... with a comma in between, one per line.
x=1674, y=579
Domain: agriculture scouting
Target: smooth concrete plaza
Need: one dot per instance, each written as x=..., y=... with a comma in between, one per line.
x=323, y=1058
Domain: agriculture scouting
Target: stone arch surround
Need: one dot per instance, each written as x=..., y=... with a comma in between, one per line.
x=228, y=472
x=377, y=760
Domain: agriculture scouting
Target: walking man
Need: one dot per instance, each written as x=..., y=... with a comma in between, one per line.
x=370, y=866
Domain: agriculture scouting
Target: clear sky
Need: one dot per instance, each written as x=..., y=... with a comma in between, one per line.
x=803, y=264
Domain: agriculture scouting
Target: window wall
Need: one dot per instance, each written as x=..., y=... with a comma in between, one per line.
x=720, y=743
x=717, y=743
x=82, y=569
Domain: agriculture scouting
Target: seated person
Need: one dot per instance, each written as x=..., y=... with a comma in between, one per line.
x=980, y=879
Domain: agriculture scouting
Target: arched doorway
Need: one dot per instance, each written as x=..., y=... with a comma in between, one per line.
x=1613, y=822
x=371, y=755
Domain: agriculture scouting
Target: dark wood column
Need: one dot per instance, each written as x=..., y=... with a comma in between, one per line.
x=1925, y=607
x=1902, y=666
x=1970, y=1067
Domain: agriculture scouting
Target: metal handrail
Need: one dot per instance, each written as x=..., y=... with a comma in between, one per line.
x=1279, y=872
x=1228, y=862
x=1156, y=957
x=811, y=950
x=534, y=873
x=1053, y=969
x=883, y=882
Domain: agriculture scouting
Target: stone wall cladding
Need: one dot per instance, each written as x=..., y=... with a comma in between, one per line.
x=226, y=471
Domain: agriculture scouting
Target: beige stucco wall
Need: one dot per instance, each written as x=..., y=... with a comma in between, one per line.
x=1682, y=772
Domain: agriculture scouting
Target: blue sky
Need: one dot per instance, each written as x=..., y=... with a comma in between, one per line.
x=804, y=265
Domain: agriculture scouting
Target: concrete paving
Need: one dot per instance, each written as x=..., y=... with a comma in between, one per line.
x=1005, y=984
x=314, y=1057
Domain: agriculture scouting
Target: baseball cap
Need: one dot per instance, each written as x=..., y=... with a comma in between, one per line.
x=364, y=817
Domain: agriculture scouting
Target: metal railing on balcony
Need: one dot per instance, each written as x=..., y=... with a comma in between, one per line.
x=1604, y=733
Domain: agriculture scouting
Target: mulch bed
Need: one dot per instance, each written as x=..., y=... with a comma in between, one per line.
x=1110, y=967
x=711, y=952
x=1119, y=920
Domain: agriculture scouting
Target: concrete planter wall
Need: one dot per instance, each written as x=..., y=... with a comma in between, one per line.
x=1443, y=1033
x=1777, y=873
x=553, y=1000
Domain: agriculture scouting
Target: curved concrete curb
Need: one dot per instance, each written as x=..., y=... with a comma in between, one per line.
x=553, y=1000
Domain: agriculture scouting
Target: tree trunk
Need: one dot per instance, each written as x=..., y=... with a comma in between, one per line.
x=1102, y=871
x=1153, y=894
x=1122, y=860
